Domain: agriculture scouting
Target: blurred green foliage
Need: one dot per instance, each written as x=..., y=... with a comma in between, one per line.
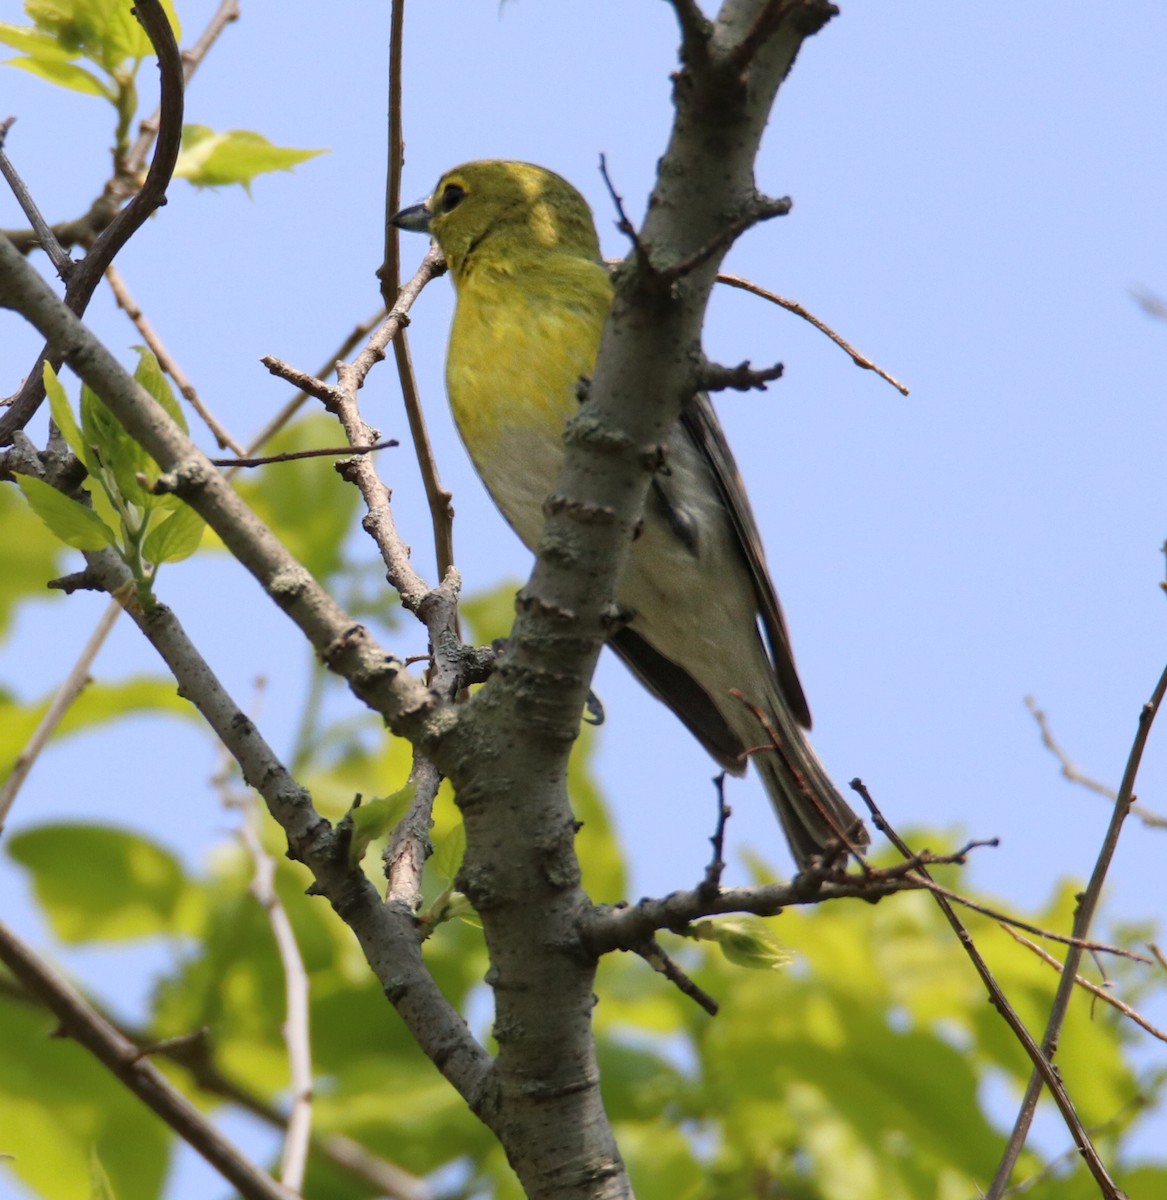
x=854, y=1066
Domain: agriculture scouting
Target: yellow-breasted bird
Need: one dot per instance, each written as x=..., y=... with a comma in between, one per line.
x=532, y=298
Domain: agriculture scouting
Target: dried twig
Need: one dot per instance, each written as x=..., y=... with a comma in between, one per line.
x=166, y=360
x=85, y=275
x=297, y=1031
x=43, y=233
x=1071, y=772
x=265, y=460
x=1043, y=1067
x=437, y=496
x=653, y=954
x=711, y=884
x=860, y=360
x=1087, y=903
x=1089, y=985
x=86, y=1026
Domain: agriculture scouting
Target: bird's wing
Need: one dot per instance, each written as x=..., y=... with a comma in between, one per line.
x=700, y=423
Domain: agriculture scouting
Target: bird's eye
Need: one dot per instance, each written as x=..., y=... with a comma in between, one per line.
x=452, y=196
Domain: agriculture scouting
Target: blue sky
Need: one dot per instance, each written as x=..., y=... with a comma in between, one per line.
x=977, y=189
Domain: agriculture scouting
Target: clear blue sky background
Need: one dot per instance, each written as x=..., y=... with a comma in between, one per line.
x=977, y=189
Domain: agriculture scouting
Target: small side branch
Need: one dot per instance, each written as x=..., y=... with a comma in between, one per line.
x=41, y=229
x=167, y=361
x=743, y=378
x=297, y=1027
x=125, y=1060
x=653, y=953
x=1089, y=985
x=1087, y=903
x=1044, y=1070
x=860, y=360
x=1071, y=771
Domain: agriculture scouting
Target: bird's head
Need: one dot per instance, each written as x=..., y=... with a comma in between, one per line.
x=503, y=211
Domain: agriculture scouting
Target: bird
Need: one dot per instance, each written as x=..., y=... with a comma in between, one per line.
x=703, y=630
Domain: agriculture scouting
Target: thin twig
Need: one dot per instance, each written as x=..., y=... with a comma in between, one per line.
x=1043, y=1067
x=860, y=360
x=764, y=208
x=71, y=687
x=293, y=406
x=1065, y=939
x=58, y=256
x=438, y=497
x=264, y=460
x=297, y=1029
x=227, y=12
x=194, y=1053
x=711, y=884
x=1089, y=985
x=1071, y=772
x=1087, y=903
x=87, y=1027
x=87, y=273
x=654, y=954
x=167, y=362
x=623, y=223
x=410, y=845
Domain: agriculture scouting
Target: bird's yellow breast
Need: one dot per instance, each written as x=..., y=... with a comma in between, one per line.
x=523, y=335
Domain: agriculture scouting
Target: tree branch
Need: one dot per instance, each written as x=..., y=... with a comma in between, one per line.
x=1087, y=903
x=89, y=1029
x=86, y=274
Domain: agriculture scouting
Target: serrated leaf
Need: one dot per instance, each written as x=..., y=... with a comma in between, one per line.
x=64, y=74
x=175, y=538
x=374, y=818
x=211, y=159
x=71, y=521
x=745, y=941
x=62, y=414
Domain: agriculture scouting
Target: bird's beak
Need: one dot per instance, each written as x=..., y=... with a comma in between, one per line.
x=416, y=219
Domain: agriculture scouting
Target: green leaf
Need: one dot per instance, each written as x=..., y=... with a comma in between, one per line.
x=70, y=520
x=211, y=159
x=448, y=852
x=99, y=883
x=56, y=1103
x=305, y=502
x=176, y=537
x=64, y=74
x=33, y=42
x=119, y=454
x=62, y=413
x=31, y=556
x=745, y=941
x=375, y=818
x=100, y=1187
x=104, y=31
x=98, y=704
x=150, y=375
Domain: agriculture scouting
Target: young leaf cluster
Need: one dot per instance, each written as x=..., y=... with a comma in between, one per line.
x=146, y=528
x=95, y=48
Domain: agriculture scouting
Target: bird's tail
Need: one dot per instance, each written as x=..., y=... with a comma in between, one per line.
x=818, y=822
